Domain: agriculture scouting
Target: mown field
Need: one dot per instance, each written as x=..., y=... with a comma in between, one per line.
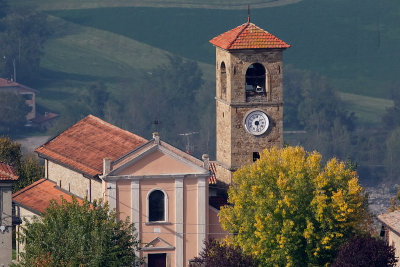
x=214, y=4
x=353, y=43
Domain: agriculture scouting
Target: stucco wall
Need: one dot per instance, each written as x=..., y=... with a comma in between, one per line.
x=394, y=240
x=28, y=215
x=124, y=199
x=6, y=220
x=190, y=219
x=215, y=230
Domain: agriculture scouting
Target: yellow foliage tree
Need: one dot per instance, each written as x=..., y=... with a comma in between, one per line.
x=288, y=209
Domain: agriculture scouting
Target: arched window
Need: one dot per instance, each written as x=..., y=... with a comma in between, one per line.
x=255, y=80
x=157, y=204
x=223, y=80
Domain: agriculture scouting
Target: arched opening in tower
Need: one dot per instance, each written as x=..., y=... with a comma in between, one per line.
x=255, y=79
x=223, y=80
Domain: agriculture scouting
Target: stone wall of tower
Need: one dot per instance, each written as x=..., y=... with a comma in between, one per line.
x=235, y=146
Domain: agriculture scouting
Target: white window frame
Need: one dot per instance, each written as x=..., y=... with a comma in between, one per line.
x=165, y=206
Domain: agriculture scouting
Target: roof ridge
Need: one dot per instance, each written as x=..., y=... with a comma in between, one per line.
x=29, y=187
x=78, y=162
x=9, y=174
x=113, y=126
x=237, y=35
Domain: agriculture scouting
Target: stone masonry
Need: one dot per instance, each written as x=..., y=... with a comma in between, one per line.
x=235, y=146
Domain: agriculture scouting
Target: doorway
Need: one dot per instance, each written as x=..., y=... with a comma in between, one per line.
x=157, y=260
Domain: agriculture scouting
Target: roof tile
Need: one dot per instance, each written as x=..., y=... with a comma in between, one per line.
x=7, y=173
x=247, y=36
x=84, y=146
x=38, y=195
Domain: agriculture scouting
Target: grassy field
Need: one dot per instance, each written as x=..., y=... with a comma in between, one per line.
x=80, y=55
x=369, y=110
x=354, y=45
x=214, y=4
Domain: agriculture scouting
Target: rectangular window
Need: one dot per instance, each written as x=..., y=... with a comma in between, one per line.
x=256, y=156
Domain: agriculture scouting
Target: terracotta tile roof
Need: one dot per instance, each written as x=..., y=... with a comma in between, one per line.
x=38, y=195
x=247, y=36
x=4, y=83
x=7, y=173
x=45, y=117
x=213, y=173
x=391, y=220
x=84, y=146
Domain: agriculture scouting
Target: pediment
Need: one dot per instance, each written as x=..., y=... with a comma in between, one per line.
x=158, y=244
x=158, y=162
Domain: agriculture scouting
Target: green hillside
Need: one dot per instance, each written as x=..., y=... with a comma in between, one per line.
x=352, y=42
x=220, y=4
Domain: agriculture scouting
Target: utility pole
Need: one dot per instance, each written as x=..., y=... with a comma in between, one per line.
x=188, y=140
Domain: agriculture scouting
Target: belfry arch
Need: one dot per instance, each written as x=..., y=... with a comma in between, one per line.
x=223, y=80
x=256, y=80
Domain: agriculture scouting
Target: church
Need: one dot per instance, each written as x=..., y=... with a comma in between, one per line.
x=164, y=191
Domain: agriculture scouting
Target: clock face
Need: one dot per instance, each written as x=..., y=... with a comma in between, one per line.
x=256, y=122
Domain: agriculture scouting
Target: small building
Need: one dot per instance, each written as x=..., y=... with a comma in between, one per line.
x=26, y=92
x=7, y=177
x=33, y=200
x=391, y=229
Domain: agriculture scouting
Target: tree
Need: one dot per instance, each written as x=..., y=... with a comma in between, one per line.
x=10, y=152
x=13, y=111
x=365, y=251
x=22, y=36
x=29, y=172
x=70, y=234
x=217, y=253
x=392, y=156
x=28, y=168
x=289, y=209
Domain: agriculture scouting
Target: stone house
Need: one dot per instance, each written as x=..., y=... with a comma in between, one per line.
x=7, y=177
x=391, y=229
x=27, y=93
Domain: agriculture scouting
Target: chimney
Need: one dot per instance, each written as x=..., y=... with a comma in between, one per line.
x=156, y=138
x=106, y=166
x=206, y=161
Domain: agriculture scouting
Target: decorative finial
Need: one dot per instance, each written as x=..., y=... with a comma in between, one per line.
x=248, y=13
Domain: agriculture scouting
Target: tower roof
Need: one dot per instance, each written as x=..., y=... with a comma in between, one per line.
x=248, y=36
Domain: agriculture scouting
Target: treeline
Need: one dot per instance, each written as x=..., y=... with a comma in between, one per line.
x=312, y=104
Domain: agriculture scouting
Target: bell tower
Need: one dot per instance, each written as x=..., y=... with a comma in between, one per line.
x=248, y=96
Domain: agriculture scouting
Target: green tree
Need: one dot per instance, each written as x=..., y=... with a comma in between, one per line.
x=10, y=152
x=23, y=34
x=392, y=156
x=29, y=172
x=28, y=168
x=13, y=111
x=288, y=209
x=3, y=9
x=73, y=234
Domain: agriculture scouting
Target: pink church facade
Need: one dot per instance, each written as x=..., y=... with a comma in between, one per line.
x=164, y=192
